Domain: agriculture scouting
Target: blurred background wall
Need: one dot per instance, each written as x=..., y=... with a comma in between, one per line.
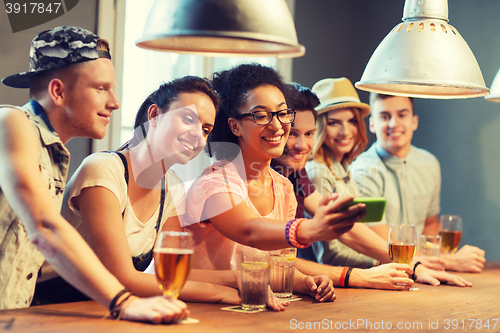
x=340, y=36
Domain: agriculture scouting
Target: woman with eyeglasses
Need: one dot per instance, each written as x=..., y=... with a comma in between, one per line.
x=241, y=204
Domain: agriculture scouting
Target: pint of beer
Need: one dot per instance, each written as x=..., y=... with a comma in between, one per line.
x=172, y=253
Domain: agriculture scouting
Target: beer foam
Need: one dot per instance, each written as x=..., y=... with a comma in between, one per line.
x=174, y=251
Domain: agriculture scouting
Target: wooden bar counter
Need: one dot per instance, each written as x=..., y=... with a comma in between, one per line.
x=428, y=309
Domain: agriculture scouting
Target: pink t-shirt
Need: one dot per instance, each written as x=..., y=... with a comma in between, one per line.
x=212, y=249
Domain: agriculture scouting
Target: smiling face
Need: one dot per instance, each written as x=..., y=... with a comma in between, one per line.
x=262, y=142
x=393, y=122
x=299, y=144
x=90, y=100
x=180, y=133
x=342, y=132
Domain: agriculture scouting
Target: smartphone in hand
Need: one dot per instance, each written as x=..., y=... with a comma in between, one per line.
x=375, y=208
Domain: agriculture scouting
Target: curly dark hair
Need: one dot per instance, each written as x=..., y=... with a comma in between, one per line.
x=166, y=94
x=233, y=87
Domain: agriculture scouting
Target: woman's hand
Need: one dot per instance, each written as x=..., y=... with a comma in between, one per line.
x=275, y=303
x=157, y=310
x=228, y=295
x=389, y=276
x=329, y=223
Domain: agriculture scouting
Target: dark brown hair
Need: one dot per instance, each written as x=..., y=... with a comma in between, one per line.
x=376, y=96
x=163, y=97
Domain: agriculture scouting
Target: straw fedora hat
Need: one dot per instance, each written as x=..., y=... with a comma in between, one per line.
x=336, y=94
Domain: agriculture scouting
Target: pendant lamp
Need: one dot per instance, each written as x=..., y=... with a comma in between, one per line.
x=424, y=57
x=222, y=28
x=494, y=95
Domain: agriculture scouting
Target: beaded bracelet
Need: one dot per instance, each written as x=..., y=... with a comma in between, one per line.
x=292, y=234
x=413, y=276
x=287, y=231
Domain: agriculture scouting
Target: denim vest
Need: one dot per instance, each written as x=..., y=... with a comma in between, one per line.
x=20, y=261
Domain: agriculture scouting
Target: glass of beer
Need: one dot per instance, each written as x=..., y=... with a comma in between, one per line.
x=450, y=229
x=282, y=271
x=172, y=253
x=254, y=280
x=402, y=243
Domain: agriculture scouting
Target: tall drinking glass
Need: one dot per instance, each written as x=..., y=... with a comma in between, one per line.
x=430, y=245
x=254, y=280
x=282, y=271
x=172, y=253
x=450, y=229
x=402, y=243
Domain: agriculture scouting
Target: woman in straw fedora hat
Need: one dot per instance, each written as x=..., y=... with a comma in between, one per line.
x=340, y=138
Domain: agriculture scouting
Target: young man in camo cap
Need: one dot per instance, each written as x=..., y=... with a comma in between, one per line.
x=71, y=83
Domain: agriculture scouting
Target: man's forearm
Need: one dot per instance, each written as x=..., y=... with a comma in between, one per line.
x=366, y=241
x=431, y=226
x=72, y=258
x=313, y=268
x=70, y=255
x=358, y=278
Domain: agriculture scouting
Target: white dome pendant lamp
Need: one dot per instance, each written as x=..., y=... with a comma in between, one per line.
x=424, y=57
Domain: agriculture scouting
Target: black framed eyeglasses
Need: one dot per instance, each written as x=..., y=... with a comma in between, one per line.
x=264, y=117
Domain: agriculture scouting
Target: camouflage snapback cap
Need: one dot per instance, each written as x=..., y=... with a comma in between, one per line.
x=58, y=48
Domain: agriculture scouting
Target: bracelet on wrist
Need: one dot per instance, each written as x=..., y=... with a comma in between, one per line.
x=347, y=276
x=115, y=307
x=413, y=276
x=342, y=277
x=287, y=231
x=292, y=234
